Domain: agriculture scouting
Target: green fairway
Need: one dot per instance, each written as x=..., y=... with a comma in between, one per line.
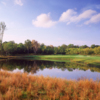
x=82, y=59
x=66, y=58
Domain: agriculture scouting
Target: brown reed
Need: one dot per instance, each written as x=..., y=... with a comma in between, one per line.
x=17, y=86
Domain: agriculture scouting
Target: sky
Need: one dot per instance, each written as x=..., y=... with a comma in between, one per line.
x=52, y=22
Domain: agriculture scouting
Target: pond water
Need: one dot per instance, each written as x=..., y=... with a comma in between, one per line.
x=66, y=70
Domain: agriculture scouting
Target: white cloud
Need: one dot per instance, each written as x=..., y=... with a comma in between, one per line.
x=67, y=15
x=86, y=14
x=4, y=3
x=19, y=2
x=71, y=16
x=94, y=19
x=43, y=20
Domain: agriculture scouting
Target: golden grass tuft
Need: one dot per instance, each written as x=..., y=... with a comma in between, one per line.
x=16, y=86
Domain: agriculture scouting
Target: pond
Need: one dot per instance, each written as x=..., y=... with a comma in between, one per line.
x=66, y=70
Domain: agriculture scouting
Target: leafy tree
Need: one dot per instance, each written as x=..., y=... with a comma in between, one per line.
x=97, y=50
x=50, y=49
x=20, y=48
x=88, y=51
x=71, y=46
x=42, y=48
x=9, y=47
x=93, y=46
x=55, y=50
x=84, y=46
x=28, y=45
x=35, y=45
x=64, y=46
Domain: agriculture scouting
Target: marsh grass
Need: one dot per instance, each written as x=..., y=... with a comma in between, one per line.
x=16, y=86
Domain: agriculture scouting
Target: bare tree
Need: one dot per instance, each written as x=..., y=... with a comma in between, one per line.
x=2, y=29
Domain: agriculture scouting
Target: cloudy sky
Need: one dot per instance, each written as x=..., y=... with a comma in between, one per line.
x=53, y=22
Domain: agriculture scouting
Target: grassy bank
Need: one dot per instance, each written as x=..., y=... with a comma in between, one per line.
x=82, y=59
x=10, y=57
x=18, y=86
x=66, y=58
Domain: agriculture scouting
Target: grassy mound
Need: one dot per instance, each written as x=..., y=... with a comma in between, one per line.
x=16, y=86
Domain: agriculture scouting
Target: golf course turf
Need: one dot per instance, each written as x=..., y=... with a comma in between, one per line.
x=83, y=59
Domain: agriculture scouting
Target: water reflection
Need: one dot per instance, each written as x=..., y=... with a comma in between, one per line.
x=54, y=69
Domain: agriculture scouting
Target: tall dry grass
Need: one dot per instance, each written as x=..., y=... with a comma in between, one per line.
x=18, y=86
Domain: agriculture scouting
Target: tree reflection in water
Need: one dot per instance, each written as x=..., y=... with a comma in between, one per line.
x=33, y=66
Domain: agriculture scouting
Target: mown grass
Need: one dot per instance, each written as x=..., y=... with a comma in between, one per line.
x=68, y=58
x=16, y=86
x=83, y=59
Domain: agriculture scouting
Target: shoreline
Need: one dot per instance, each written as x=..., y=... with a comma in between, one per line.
x=81, y=59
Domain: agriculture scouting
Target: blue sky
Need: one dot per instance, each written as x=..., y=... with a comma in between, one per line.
x=52, y=22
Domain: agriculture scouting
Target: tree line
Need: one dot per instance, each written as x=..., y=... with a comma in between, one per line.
x=12, y=48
